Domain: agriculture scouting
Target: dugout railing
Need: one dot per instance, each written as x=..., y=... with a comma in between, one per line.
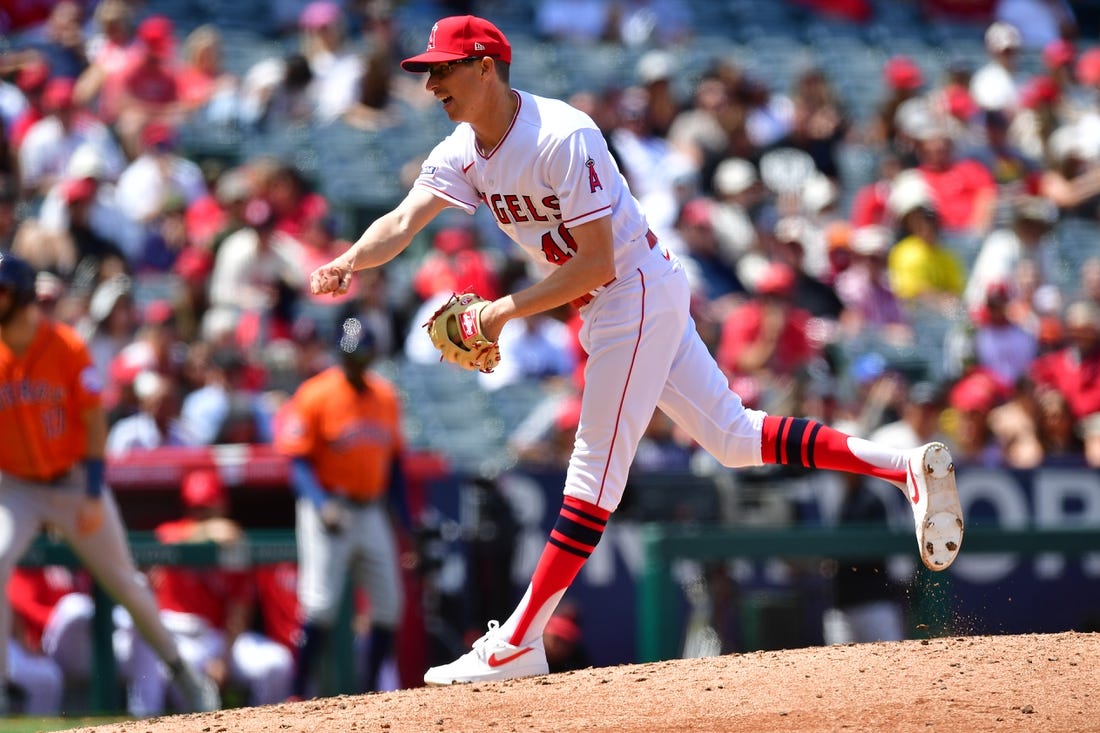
x=660, y=599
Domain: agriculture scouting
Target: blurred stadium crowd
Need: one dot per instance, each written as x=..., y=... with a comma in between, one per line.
x=889, y=209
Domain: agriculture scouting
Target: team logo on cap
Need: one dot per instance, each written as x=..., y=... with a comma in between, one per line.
x=431, y=37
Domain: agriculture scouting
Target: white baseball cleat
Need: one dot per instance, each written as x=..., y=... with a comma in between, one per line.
x=937, y=513
x=491, y=659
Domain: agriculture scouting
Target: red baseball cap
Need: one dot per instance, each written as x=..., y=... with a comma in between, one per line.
x=202, y=488
x=902, y=72
x=33, y=76
x=158, y=34
x=1088, y=67
x=461, y=37
x=1039, y=90
x=79, y=190
x=1058, y=53
x=58, y=94
x=776, y=279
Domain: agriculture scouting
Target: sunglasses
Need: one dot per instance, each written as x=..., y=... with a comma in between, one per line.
x=443, y=70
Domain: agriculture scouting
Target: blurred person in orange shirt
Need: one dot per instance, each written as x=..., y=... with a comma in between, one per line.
x=342, y=433
x=53, y=429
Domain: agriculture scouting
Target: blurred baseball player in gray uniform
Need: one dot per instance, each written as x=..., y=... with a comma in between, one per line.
x=342, y=430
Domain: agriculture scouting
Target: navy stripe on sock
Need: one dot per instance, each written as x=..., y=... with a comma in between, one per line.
x=810, y=445
x=794, y=440
x=577, y=532
x=568, y=548
x=584, y=515
x=779, y=439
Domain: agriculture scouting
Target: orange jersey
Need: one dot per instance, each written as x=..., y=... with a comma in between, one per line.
x=43, y=395
x=350, y=438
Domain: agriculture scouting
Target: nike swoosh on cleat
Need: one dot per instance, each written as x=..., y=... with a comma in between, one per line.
x=495, y=661
x=916, y=489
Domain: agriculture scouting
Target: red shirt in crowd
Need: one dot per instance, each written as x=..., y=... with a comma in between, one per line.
x=743, y=328
x=1076, y=377
x=151, y=84
x=957, y=190
x=277, y=593
x=33, y=593
x=204, y=592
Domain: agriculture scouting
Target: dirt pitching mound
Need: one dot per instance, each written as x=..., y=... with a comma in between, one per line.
x=1040, y=682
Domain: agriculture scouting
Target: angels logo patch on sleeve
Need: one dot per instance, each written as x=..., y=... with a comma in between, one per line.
x=593, y=177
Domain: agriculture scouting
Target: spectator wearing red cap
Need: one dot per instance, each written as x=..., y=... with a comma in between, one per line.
x=1002, y=347
x=21, y=102
x=971, y=399
x=456, y=264
x=765, y=341
x=209, y=610
x=963, y=189
x=713, y=277
x=155, y=348
x=84, y=197
x=869, y=205
x=1075, y=370
x=1043, y=103
x=545, y=438
x=51, y=142
x=150, y=88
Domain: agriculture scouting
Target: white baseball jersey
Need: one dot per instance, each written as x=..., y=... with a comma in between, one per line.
x=551, y=171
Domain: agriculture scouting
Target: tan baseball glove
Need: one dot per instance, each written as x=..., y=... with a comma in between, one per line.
x=455, y=329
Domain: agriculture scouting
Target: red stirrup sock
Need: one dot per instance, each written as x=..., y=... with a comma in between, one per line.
x=802, y=442
x=575, y=535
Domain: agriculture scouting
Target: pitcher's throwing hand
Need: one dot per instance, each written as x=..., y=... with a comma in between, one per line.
x=330, y=278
